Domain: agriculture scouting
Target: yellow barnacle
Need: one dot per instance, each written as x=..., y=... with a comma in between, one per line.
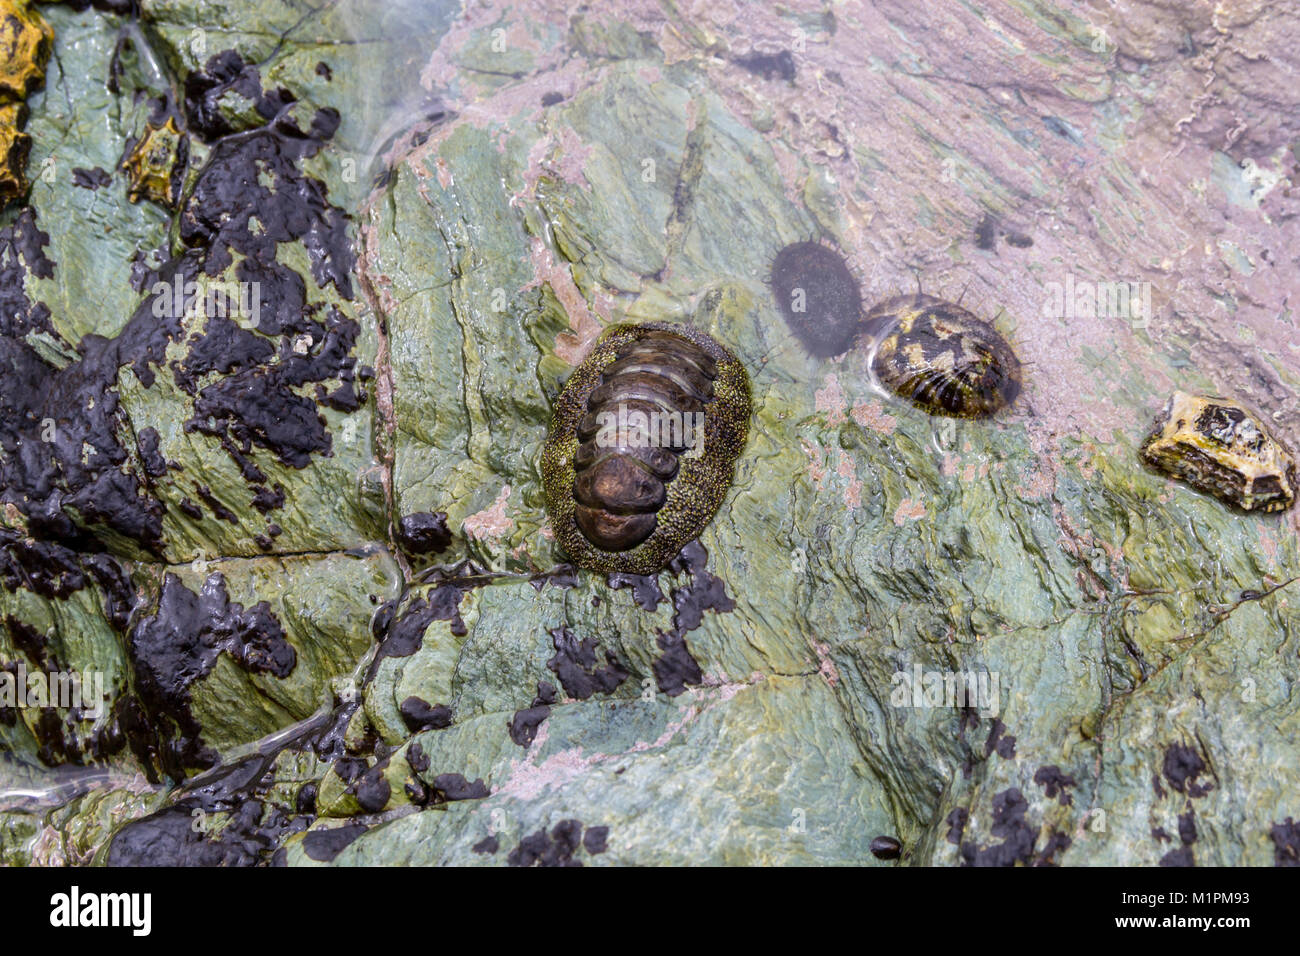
x=25, y=42
x=154, y=163
x=14, y=147
x=1218, y=446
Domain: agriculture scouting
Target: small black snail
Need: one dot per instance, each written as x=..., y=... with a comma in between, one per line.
x=818, y=296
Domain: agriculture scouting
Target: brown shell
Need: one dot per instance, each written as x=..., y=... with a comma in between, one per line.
x=619, y=485
x=942, y=358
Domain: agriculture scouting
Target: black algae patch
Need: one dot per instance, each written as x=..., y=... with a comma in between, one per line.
x=423, y=532
x=1158, y=790
x=236, y=820
x=250, y=198
x=30, y=642
x=54, y=571
x=562, y=576
x=558, y=847
x=574, y=664
x=999, y=742
x=453, y=786
x=1182, y=766
x=79, y=475
x=65, y=465
x=1055, y=783
x=91, y=179
x=523, y=725
x=1018, y=837
x=645, y=588
x=171, y=838
x=957, y=824
x=372, y=790
x=1055, y=843
x=706, y=592
x=596, y=839
x=350, y=769
x=406, y=635
x=818, y=296
x=256, y=404
x=146, y=443
x=1286, y=843
x=22, y=252
x=1183, y=856
x=224, y=74
x=324, y=845
x=60, y=428
x=256, y=177
x=489, y=844
x=418, y=714
x=770, y=66
x=676, y=667
x=416, y=758
x=180, y=642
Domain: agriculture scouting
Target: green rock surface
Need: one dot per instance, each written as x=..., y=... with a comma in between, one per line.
x=513, y=183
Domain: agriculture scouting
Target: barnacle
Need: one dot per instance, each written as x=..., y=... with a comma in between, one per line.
x=1218, y=446
x=155, y=163
x=14, y=148
x=25, y=41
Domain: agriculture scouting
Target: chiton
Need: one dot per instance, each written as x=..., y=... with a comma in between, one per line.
x=818, y=296
x=643, y=445
x=941, y=357
x=1218, y=446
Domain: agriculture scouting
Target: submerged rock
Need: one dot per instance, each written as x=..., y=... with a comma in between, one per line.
x=302, y=532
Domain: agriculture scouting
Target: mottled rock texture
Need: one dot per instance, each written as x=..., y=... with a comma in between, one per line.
x=304, y=541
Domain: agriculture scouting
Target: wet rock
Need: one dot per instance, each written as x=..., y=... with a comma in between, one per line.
x=1061, y=649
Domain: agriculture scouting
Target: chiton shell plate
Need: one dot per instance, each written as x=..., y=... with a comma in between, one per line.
x=624, y=490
